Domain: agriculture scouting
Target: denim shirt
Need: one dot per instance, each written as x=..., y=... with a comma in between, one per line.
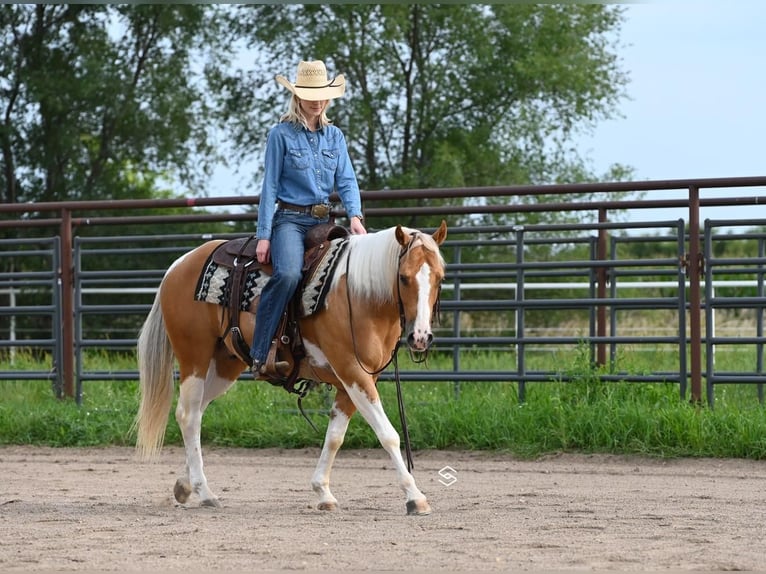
x=304, y=168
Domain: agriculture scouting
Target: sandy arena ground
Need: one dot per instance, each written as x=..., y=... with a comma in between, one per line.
x=100, y=510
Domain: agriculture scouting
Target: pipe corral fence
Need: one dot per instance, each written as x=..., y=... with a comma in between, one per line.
x=487, y=305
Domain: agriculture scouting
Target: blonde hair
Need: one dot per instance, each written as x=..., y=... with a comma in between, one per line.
x=295, y=115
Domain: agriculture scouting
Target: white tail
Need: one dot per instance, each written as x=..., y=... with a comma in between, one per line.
x=155, y=367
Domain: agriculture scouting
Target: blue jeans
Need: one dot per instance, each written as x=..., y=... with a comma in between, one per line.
x=287, y=247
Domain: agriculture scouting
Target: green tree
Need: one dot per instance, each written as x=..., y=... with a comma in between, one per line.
x=104, y=102
x=444, y=96
x=91, y=95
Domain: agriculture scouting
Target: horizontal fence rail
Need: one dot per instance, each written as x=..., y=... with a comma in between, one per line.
x=78, y=280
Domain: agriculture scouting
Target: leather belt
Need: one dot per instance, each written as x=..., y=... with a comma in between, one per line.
x=319, y=210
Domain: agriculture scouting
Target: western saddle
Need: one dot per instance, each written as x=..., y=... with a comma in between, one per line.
x=238, y=255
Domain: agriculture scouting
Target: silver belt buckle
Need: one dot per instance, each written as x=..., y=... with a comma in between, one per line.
x=320, y=210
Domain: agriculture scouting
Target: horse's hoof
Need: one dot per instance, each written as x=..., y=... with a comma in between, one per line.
x=330, y=506
x=418, y=508
x=210, y=502
x=182, y=491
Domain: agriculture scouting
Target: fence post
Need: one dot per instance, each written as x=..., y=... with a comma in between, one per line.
x=759, y=318
x=456, y=327
x=521, y=366
x=66, y=339
x=683, y=352
x=695, y=306
x=601, y=290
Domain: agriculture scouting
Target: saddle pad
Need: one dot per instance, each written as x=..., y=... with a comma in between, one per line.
x=213, y=285
x=316, y=286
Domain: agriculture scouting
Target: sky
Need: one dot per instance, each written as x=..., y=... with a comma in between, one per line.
x=695, y=105
x=697, y=99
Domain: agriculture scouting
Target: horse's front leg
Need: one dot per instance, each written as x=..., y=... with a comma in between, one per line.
x=341, y=413
x=367, y=401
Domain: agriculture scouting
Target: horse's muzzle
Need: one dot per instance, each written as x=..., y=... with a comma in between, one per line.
x=419, y=342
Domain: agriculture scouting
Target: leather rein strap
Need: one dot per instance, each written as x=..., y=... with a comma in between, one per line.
x=394, y=354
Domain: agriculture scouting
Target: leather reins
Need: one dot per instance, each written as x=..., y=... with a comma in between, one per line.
x=394, y=354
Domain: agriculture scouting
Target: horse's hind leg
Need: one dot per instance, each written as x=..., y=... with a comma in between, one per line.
x=196, y=394
x=340, y=415
x=369, y=406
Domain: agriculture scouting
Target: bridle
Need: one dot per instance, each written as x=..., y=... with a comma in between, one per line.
x=421, y=357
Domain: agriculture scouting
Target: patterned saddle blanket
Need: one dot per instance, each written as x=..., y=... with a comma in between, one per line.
x=214, y=283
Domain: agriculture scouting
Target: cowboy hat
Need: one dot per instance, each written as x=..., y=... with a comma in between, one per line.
x=311, y=82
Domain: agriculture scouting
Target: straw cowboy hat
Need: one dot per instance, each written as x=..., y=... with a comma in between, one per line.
x=311, y=82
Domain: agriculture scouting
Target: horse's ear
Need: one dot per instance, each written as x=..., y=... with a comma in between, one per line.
x=401, y=237
x=440, y=234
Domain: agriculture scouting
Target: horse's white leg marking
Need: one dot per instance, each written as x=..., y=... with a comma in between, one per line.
x=215, y=386
x=421, y=328
x=189, y=411
x=373, y=413
x=320, y=482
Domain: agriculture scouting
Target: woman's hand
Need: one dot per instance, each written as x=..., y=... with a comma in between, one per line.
x=263, y=251
x=357, y=226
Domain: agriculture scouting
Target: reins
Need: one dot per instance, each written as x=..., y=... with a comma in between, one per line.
x=394, y=354
x=351, y=324
x=402, y=415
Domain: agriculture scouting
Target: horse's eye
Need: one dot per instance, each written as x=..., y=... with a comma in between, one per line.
x=404, y=279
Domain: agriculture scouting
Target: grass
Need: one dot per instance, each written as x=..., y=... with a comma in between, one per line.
x=582, y=416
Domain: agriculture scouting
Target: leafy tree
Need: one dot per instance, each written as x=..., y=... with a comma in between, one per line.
x=104, y=102
x=443, y=95
x=92, y=94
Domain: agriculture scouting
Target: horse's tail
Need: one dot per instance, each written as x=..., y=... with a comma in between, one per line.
x=155, y=367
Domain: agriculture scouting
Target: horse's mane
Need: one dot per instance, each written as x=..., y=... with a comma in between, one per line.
x=374, y=263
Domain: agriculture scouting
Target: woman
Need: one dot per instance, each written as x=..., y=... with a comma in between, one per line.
x=306, y=160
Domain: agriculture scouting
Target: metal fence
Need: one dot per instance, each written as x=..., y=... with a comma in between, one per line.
x=752, y=270
x=33, y=266
x=80, y=278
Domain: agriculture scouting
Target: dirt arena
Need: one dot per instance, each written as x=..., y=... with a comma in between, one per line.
x=99, y=510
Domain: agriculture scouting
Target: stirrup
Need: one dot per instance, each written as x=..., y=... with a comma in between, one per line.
x=276, y=371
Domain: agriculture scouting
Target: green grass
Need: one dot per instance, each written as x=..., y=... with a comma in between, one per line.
x=582, y=416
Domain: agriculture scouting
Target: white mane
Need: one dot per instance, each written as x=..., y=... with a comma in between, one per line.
x=374, y=264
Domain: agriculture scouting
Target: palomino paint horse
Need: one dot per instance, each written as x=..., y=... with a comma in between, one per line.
x=346, y=343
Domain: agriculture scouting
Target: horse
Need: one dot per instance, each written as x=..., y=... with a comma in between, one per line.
x=384, y=289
